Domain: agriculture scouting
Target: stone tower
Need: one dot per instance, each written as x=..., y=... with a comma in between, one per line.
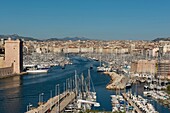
x=14, y=54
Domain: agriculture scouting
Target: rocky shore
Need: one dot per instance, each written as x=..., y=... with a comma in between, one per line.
x=117, y=81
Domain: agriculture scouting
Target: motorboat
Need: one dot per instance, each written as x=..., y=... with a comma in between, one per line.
x=146, y=86
x=35, y=69
x=128, y=85
x=100, y=69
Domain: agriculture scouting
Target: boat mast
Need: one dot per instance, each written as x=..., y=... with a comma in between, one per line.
x=100, y=61
x=75, y=81
x=89, y=80
x=82, y=85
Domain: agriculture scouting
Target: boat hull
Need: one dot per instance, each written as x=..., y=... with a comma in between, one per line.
x=128, y=86
x=37, y=71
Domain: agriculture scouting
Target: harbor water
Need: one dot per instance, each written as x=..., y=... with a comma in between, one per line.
x=17, y=92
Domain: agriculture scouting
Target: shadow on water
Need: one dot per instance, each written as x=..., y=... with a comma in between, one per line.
x=10, y=82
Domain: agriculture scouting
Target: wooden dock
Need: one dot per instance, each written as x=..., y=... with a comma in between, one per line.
x=131, y=103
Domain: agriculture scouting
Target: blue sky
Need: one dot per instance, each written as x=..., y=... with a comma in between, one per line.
x=95, y=19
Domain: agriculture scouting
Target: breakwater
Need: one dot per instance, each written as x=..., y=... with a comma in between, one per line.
x=117, y=81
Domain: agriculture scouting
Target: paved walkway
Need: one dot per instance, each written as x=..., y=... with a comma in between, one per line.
x=63, y=103
x=64, y=99
x=117, y=81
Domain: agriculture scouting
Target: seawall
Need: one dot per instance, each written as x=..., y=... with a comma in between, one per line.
x=117, y=81
x=12, y=74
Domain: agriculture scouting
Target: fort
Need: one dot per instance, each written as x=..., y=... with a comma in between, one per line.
x=11, y=61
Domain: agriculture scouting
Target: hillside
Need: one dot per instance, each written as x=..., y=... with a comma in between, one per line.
x=15, y=36
x=161, y=39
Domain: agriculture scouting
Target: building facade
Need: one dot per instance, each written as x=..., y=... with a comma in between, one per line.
x=12, y=60
x=144, y=67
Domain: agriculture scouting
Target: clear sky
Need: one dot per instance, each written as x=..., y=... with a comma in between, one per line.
x=95, y=19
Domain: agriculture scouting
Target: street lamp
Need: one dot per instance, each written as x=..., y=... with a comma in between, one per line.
x=57, y=91
x=68, y=83
x=71, y=84
x=28, y=106
x=64, y=88
x=51, y=96
x=58, y=98
x=41, y=97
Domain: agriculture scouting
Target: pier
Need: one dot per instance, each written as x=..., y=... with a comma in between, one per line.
x=131, y=103
x=117, y=81
x=64, y=103
x=55, y=104
x=73, y=90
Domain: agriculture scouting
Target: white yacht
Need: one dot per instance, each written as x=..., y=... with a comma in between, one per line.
x=37, y=71
x=103, y=68
x=33, y=69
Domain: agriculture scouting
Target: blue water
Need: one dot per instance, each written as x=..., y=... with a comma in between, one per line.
x=17, y=92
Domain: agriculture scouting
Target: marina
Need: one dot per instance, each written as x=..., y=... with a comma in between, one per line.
x=77, y=92
x=33, y=85
x=140, y=104
x=85, y=56
x=34, y=69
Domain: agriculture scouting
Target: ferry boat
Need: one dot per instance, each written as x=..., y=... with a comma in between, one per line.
x=33, y=69
x=37, y=71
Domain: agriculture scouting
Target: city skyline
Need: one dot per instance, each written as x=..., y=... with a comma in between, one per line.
x=93, y=19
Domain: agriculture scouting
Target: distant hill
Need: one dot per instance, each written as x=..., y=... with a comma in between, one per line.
x=75, y=38
x=15, y=36
x=67, y=38
x=51, y=39
x=161, y=39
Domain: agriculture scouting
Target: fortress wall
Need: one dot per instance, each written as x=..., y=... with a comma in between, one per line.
x=6, y=71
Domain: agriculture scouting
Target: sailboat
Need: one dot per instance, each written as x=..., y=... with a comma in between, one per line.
x=129, y=83
x=100, y=68
x=86, y=95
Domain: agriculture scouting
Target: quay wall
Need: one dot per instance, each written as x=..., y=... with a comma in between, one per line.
x=1, y=62
x=6, y=71
x=117, y=81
